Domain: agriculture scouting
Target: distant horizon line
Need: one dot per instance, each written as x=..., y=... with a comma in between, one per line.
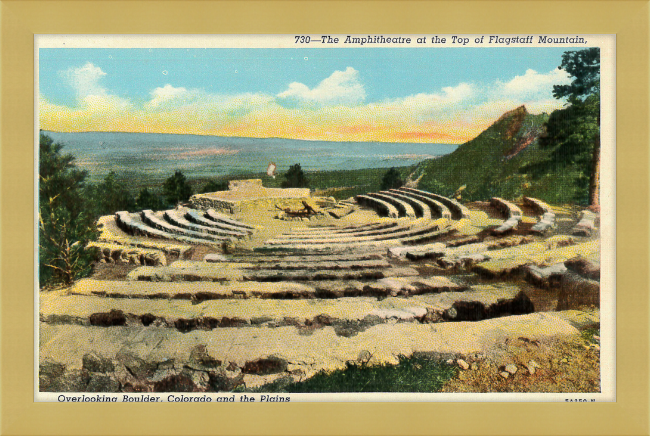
x=252, y=137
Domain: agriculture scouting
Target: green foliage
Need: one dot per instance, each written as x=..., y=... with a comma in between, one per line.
x=573, y=133
x=65, y=224
x=391, y=180
x=489, y=164
x=411, y=374
x=295, y=178
x=109, y=196
x=584, y=67
x=214, y=186
x=148, y=200
x=177, y=189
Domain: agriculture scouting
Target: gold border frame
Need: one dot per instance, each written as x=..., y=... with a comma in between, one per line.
x=21, y=20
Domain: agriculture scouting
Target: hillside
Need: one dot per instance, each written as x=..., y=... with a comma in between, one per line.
x=494, y=164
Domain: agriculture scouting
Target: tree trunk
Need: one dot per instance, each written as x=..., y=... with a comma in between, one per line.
x=594, y=181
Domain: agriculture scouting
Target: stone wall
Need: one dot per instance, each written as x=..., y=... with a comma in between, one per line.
x=249, y=196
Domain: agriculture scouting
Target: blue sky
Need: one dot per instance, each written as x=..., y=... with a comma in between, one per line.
x=439, y=90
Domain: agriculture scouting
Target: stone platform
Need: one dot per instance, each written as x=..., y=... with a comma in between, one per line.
x=249, y=195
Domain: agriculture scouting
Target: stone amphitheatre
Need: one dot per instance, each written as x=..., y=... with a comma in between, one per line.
x=252, y=285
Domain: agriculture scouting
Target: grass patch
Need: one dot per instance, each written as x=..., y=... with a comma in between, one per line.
x=589, y=333
x=411, y=374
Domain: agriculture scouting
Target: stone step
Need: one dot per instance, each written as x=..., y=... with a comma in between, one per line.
x=203, y=271
x=198, y=218
x=199, y=291
x=545, y=224
x=343, y=257
x=150, y=218
x=510, y=260
x=311, y=275
x=508, y=226
x=228, y=272
x=421, y=209
x=313, y=264
x=111, y=233
x=140, y=358
x=346, y=229
x=508, y=209
x=338, y=236
x=177, y=219
x=135, y=226
x=458, y=211
x=342, y=211
x=586, y=224
x=404, y=208
x=418, y=228
x=586, y=268
x=382, y=207
x=578, y=292
x=537, y=204
x=436, y=208
x=114, y=253
x=468, y=255
x=545, y=277
x=221, y=218
x=185, y=315
x=323, y=265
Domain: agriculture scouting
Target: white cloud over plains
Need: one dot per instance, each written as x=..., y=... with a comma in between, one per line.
x=334, y=109
x=341, y=88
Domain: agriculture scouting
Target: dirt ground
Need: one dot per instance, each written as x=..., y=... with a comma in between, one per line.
x=563, y=365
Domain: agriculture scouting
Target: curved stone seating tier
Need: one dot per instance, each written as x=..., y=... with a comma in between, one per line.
x=586, y=224
x=545, y=277
x=322, y=265
x=538, y=205
x=332, y=235
x=346, y=229
x=427, y=236
x=546, y=222
x=150, y=218
x=508, y=225
x=428, y=233
x=196, y=218
x=219, y=217
x=200, y=291
x=501, y=263
x=435, y=207
x=458, y=211
x=380, y=206
x=511, y=211
x=200, y=271
x=176, y=219
x=402, y=232
x=224, y=312
x=421, y=209
x=113, y=253
x=404, y=209
x=506, y=207
x=342, y=257
x=312, y=275
x=135, y=226
x=112, y=233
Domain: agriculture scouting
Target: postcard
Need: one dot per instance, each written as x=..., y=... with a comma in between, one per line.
x=285, y=218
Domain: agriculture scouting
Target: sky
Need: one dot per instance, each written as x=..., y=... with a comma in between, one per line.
x=427, y=95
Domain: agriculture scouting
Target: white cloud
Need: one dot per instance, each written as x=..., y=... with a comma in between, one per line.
x=533, y=83
x=340, y=88
x=85, y=80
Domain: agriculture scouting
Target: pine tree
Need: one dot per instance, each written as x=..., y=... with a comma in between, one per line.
x=177, y=189
x=65, y=227
x=575, y=131
x=295, y=177
x=391, y=180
